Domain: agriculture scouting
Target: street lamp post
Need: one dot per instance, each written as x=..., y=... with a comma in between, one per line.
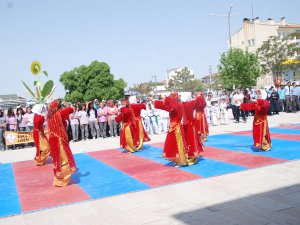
x=228, y=16
x=155, y=83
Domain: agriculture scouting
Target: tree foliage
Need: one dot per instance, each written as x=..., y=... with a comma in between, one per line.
x=181, y=81
x=143, y=88
x=90, y=82
x=238, y=68
x=274, y=52
x=194, y=86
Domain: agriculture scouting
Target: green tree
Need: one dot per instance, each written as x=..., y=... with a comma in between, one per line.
x=274, y=52
x=194, y=86
x=238, y=68
x=143, y=88
x=90, y=82
x=181, y=80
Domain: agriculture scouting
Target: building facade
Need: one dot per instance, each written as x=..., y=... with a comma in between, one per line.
x=254, y=32
x=11, y=101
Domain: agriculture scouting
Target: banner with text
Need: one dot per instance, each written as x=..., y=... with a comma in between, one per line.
x=14, y=137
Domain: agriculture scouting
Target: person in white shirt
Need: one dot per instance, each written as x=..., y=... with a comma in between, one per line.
x=237, y=100
x=145, y=119
x=83, y=122
x=288, y=99
x=223, y=112
x=28, y=118
x=153, y=128
x=93, y=122
x=74, y=120
x=207, y=109
x=164, y=121
x=215, y=113
x=158, y=120
x=294, y=97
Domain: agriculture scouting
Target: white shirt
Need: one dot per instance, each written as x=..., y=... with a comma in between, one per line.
x=223, y=106
x=83, y=117
x=29, y=119
x=287, y=90
x=73, y=120
x=294, y=91
x=238, y=99
x=92, y=117
x=214, y=109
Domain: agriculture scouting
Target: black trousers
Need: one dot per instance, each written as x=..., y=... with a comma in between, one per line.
x=239, y=113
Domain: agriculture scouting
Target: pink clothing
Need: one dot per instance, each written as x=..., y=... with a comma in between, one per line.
x=12, y=122
x=112, y=113
x=21, y=121
x=102, y=114
x=28, y=119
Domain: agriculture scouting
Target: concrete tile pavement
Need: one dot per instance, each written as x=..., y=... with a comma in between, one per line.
x=209, y=202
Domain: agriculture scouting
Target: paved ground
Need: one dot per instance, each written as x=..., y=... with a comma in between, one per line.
x=262, y=195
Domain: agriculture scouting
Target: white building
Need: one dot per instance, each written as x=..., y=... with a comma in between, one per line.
x=172, y=72
x=254, y=32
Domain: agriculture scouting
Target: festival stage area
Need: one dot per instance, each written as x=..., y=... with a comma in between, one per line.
x=25, y=187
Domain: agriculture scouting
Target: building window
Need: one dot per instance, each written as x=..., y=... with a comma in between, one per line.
x=281, y=35
x=251, y=42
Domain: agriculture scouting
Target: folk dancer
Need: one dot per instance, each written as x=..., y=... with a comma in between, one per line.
x=140, y=134
x=39, y=137
x=194, y=144
x=175, y=148
x=63, y=160
x=127, y=140
x=200, y=118
x=261, y=133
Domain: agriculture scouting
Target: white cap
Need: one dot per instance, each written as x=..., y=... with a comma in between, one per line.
x=185, y=96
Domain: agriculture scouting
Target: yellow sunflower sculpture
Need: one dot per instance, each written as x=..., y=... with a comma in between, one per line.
x=43, y=92
x=35, y=67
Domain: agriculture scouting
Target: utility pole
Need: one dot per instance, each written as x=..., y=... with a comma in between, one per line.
x=228, y=18
x=210, y=74
x=252, y=10
x=154, y=76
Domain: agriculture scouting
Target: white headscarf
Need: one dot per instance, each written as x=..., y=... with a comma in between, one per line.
x=264, y=94
x=37, y=109
x=185, y=96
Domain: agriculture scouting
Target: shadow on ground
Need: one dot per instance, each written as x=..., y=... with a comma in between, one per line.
x=278, y=207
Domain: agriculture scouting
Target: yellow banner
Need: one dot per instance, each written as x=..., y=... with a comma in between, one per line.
x=13, y=137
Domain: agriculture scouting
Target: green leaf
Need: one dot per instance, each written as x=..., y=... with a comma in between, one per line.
x=46, y=74
x=47, y=88
x=48, y=96
x=29, y=91
x=35, y=83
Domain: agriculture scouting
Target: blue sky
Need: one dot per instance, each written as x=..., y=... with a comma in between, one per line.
x=137, y=38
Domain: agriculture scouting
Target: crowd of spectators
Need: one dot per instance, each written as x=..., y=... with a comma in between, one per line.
x=96, y=119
